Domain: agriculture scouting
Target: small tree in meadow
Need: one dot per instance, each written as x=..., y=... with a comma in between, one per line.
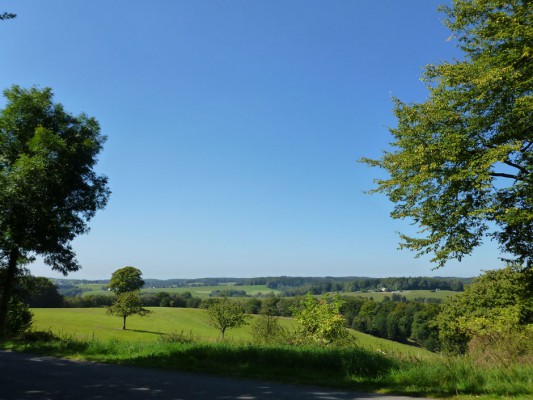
x=320, y=321
x=226, y=314
x=126, y=304
x=266, y=328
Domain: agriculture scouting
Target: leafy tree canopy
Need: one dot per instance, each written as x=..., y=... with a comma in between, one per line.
x=48, y=188
x=40, y=292
x=127, y=279
x=462, y=164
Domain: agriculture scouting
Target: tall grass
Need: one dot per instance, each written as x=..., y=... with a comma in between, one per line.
x=460, y=375
x=347, y=367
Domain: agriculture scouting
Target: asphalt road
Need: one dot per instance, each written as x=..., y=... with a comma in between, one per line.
x=25, y=376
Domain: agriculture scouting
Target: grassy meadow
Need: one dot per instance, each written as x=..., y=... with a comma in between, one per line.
x=408, y=294
x=89, y=323
x=202, y=292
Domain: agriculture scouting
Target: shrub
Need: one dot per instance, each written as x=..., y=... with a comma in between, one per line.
x=19, y=318
x=179, y=337
x=37, y=336
x=266, y=329
x=503, y=349
x=320, y=321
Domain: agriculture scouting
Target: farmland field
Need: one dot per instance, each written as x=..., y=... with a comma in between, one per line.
x=408, y=294
x=87, y=323
x=196, y=291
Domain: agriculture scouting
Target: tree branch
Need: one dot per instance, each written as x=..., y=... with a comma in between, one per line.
x=527, y=146
x=504, y=175
x=517, y=166
x=7, y=15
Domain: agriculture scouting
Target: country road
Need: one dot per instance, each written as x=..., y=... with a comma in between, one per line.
x=25, y=376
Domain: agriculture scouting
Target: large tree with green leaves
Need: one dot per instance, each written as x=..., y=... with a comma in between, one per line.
x=48, y=187
x=462, y=161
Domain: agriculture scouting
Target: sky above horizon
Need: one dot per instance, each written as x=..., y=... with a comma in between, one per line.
x=234, y=129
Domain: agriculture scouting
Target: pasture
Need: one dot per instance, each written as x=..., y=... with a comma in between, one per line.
x=196, y=291
x=89, y=323
x=408, y=294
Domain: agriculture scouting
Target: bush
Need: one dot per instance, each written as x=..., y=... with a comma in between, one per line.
x=320, y=322
x=502, y=349
x=37, y=336
x=266, y=330
x=19, y=318
x=179, y=337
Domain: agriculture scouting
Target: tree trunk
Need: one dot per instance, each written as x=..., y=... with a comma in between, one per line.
x=124, y=323
x=7, y=288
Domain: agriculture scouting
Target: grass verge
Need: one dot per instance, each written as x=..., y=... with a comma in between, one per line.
x=348, y=368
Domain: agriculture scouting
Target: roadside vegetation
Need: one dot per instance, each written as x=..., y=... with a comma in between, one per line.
x=350, y=367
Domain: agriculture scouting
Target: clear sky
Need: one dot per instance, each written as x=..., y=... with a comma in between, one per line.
x=234, y=128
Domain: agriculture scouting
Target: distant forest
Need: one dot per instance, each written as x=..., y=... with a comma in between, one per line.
x=294, y=286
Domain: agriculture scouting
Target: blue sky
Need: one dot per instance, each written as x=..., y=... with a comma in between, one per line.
x=234, y=128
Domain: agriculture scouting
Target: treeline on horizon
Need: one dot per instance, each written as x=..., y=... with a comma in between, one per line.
x=295, y=286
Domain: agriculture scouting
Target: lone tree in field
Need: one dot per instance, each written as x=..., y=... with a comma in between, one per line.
x=462, y=168
x=48, y=188
x=127, y=279
x=126, y=304
x=224, y=314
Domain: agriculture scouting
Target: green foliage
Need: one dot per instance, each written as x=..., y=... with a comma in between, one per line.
x=226, y=314
x=127, y=279
x=127, y=304
x=19, y=318
x=179, y=337
x=462, y=165
x=320, y=321
x=266, y=329
x=497, y=304
x=41, y=292
x=48, y=189
x=424, y=330
x=503, y=348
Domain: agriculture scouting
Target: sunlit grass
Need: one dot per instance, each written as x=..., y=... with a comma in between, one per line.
x=352, y=367
x=87, y=323
x=408, y=294
x=196, y=291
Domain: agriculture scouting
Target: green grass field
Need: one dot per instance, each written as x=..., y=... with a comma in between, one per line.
x=196, y=291
x=254, y=290
x=88, y=323
x=408, y=294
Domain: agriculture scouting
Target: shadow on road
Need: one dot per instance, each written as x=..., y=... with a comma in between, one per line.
x=32, y=377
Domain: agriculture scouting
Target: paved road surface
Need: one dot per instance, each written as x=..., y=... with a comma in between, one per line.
x=24, y=376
